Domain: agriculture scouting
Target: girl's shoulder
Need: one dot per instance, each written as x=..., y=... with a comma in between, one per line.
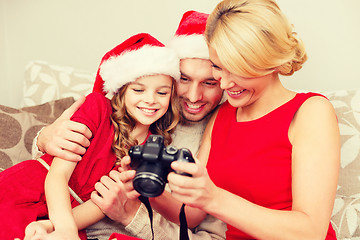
x=93, y=111
x=97, y=101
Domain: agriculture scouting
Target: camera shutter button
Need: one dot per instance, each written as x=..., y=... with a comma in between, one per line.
x=171, y=150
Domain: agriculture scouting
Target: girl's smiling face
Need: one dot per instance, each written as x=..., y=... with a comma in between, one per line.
x=147, y=99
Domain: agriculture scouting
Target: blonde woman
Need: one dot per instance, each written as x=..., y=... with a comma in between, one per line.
x=272, y=154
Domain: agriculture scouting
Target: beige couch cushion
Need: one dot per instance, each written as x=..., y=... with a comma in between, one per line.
x=46, y=82
x=18, y=127
x=346, y=213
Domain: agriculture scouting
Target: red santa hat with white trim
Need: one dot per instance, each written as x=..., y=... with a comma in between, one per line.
x=140, y=55
x=189, y=40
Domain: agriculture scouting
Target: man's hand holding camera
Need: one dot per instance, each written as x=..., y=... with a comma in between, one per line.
x=116, y=196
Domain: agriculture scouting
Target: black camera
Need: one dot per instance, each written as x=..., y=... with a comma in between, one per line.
x=152, y=163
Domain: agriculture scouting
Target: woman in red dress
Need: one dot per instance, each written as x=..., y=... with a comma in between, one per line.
x=272, y=154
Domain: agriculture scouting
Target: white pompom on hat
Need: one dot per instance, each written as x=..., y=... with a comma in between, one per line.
x=189, y=40
x=140, y=55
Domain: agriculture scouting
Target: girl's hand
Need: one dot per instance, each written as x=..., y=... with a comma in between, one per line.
x=38, y=230
x=125, y=164
x=62, y=235
x=196, y=191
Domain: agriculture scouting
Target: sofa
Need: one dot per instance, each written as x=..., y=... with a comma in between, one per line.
x=50, y=89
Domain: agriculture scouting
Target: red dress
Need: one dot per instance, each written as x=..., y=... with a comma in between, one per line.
x=22, y=197
x=252, y=159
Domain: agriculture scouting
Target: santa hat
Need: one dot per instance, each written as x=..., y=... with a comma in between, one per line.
x=189, y=40
x=140, y=55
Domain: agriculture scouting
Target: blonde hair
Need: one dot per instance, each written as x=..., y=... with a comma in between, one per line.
x=253, y=38
x=124, y=123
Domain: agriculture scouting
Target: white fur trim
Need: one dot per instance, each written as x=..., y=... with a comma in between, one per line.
x=130, y=65
x=190, y=46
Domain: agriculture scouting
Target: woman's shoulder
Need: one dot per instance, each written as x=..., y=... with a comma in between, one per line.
x=314, y=102
x=316, y=108
x=314, y=119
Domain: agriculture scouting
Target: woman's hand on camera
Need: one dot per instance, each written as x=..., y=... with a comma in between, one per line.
x=196, y=191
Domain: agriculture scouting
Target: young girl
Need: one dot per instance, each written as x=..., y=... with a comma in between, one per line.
x=140, y=75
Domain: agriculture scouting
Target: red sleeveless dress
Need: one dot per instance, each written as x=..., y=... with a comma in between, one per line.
x=253, y=159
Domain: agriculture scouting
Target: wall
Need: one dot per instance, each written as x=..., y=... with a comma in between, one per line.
x=78, y=33
x=331, y=32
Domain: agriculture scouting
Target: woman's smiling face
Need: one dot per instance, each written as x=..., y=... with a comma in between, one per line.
x=241, y=91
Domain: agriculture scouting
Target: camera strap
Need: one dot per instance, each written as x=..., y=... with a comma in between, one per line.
x=146, y=202
x=182, y=217
x=183, y=224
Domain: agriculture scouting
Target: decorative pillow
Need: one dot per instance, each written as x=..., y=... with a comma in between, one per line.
x=45, y=82
x=18, y=128
x=346, y=213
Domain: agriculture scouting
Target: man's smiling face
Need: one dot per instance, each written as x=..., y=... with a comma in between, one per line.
x=198, y=91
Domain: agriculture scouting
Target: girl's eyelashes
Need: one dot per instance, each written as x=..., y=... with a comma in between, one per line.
x=163, y=93
x=137, y=90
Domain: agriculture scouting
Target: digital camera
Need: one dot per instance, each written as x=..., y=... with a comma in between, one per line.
x=152, y=164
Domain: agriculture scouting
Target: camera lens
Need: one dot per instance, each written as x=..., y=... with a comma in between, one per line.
x=148, y=184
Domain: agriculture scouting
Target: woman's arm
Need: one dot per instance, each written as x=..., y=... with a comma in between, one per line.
x=314, y=135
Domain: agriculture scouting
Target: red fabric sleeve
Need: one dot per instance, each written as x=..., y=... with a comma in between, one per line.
x=119, y=236
x=91, y=112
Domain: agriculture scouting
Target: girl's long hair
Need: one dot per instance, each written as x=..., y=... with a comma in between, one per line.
x=124, y=123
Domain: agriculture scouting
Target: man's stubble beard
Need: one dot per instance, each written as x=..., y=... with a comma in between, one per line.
x=185, y=121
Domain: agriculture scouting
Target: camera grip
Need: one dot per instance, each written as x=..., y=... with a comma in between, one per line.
x=185, y=156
